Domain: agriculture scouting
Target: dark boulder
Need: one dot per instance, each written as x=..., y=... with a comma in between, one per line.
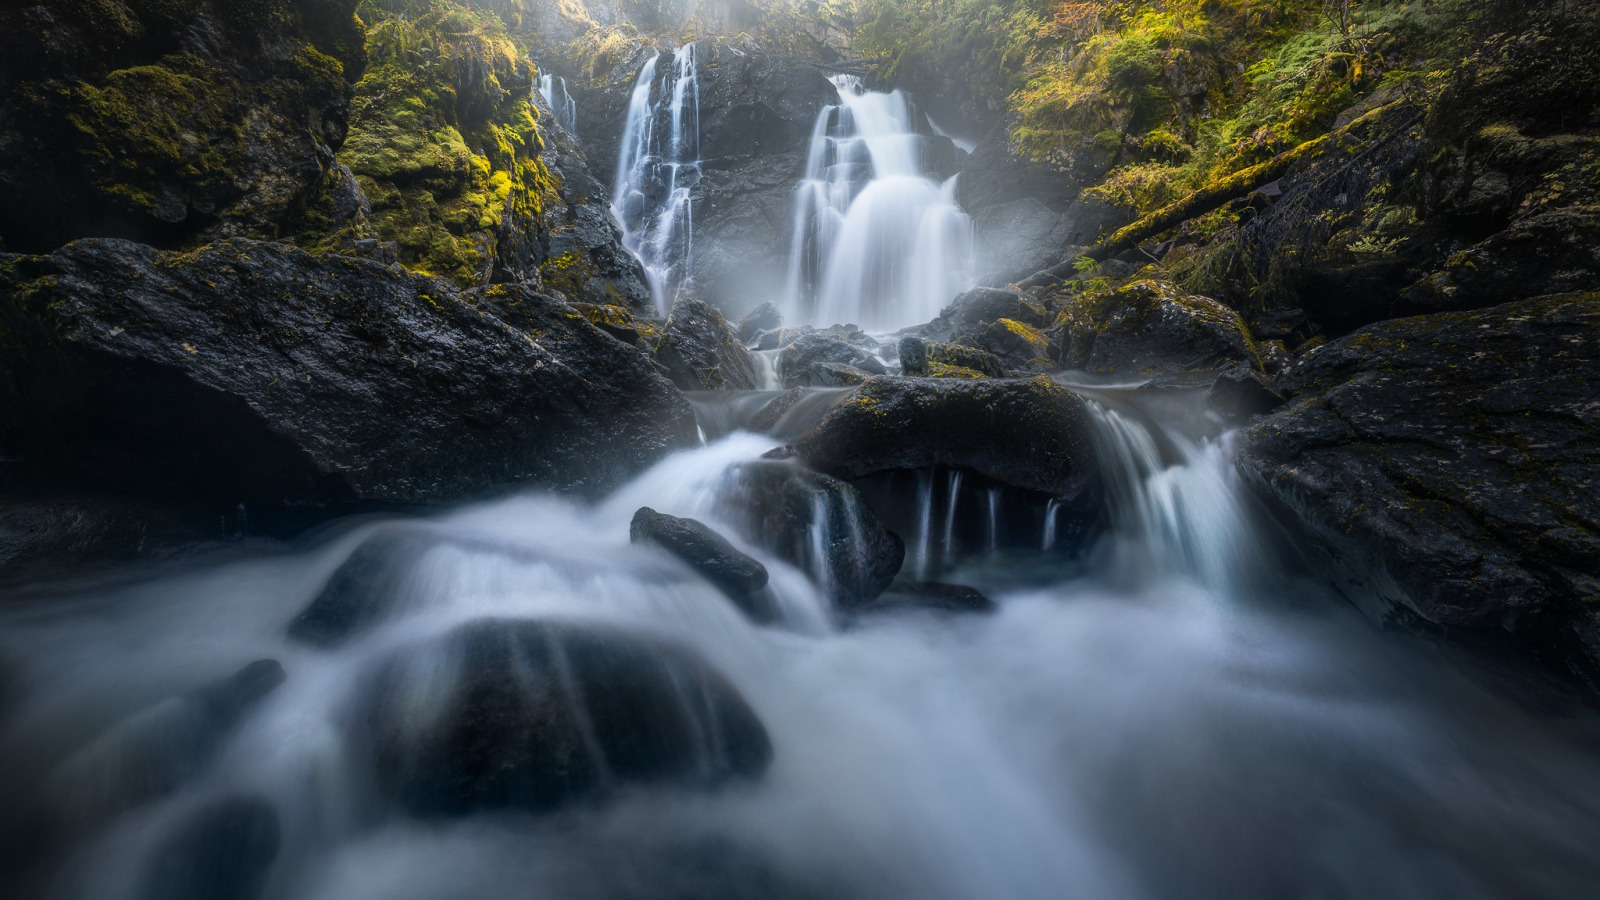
x=534, y=715
x=735, y=574
x=913, y=356
x=766, y=317
x=1018, y=346
x=254, y=372
x=930, y=596
x=222, y=852
x=1152, y=328
x=1032, y=434
x=1242, y=393
x=806, y=360
x=700, y=352
x=365, y=588
x=817, y=523
x=153, y=752
x=1444, y=467
x=972, y=312
x=1553, y=252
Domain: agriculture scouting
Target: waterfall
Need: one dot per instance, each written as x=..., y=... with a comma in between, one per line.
x=553, y=88
x=877, y=241
x=657, y=171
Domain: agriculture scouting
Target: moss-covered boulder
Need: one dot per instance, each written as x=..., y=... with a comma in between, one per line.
x=1445, y=467
x=1151, y=328
x=1032, y=434
x=254, y=372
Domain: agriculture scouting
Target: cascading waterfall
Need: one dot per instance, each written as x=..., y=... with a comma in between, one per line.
x=553, y=88
x=877, y=242
x=657, y=171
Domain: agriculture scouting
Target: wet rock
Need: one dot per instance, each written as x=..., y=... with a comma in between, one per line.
x=253, y=372
x=1153, y=328
x=700, y=352
x=619, y=322
x=932, y=596
x=709, y=553
x=532, y=716
x=973, y=312
x=913, y=356
x=222, y=852
x=1019, y=347
x=1444, y=468
x=805, y=361
x=1242, y=393
x=364, y=589
x=961, y=361
x=817, y=523
x=582, y=255
x=1031, y=434
x=1551, y=253
x=155, y=751
x=766, y=317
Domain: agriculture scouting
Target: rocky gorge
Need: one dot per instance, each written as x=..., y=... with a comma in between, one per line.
x=633, y=449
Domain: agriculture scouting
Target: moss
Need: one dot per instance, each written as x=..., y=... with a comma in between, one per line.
x=940, y=370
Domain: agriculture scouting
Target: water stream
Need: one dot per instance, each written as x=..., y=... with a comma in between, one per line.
x=553, y=88
x=657, y=171
x=1167, y=713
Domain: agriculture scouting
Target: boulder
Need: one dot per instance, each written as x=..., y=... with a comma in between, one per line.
x=817, y=523
x=913, y=356
x=735, y=574
x=1444, y=469
x=1554, y=252
x=1152, y=328
x=1032, y=434
x=699, y=350
x=532, y=715
x=930, y=596
x=971, y=313
x=254, y=372
x=222, y=852
x=766, y=317
x=364, y=589
x=1018, y=346
x=807, y=359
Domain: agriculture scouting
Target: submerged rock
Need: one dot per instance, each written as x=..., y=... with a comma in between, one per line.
x=155, y=751
x=699, y=351
x=1032, y=434
x=254, y=372
x=817, y=523
x=364, y=589
x=931, y=596
x=735, y=574
x=533, y=715
x=1444, y=466
x=222, y=852
x=1152, y=328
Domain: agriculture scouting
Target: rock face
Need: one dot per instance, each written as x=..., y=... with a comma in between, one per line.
x=818, y=524
x=822, y=359
x=1031, y=434
x=582, y=255
x=1152, y=328
x=699, y=351
x=168, y=121
x=253, y=372
x=540, y=714
x=1446, y=467
x=735, y=574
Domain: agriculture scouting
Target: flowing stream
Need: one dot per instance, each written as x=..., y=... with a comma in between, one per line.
x=1167, y=713
x=553, y=88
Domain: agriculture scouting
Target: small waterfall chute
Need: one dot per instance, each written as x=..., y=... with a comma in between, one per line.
x=657, y=170
x=553, y=88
